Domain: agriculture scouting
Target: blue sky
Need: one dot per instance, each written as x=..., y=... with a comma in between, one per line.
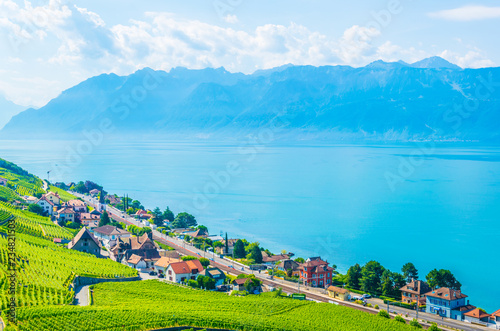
x=49, y=46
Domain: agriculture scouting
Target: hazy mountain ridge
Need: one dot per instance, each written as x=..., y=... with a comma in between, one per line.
x=7, y=110
x=381, y=101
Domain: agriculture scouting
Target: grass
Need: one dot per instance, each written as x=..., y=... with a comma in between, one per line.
x=148, y=305
x=65, y=196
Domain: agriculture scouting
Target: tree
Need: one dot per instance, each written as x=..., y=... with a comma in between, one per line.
x=239, y=249
x=179, y=224
x=227, y=245
x=442, y=278
x=370, y=276
x=409, y=272
x=300, y=260
x=104, y=219
x=203, y=229
x=256, y=254
x=81, y=188
x=186, y=218
x=217, y=244
x=206, y=282
x=353, y=276
x=204, y=262
x=37, y=209
x=168, y=215
x=188, y=258
x=399, y=282
x=387, y=283
x=157, y=216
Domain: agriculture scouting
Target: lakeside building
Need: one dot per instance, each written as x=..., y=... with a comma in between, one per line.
x=338, y=293
x=416, y=289
x=477, y=316
x=289, y=265
x=54, y=198
x=448, y=303
x=316, y=273
x=65, y=214
x=272, y=260
x=78, y=205
x=162, y=264
x=143, y=246
x=109, y=234
x=216, y=274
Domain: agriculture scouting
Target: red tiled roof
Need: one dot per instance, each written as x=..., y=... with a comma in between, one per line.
x=465, y=308
x=110, y=230
x=275, y=258
x=66, y=210
x=75, y=203
x=476, y=313
x=165, y=261
x=186, y=267
x=240, y=281
x=496, y=314
x=134, y=259
x=421, y=286
x=446, y=294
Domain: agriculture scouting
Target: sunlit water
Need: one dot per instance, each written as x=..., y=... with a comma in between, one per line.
x=438, y=207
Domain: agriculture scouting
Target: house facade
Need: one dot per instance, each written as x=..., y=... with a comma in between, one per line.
x=54, y=198
x=85, y=242
x=448, y=303
x=65, y=214
x=78, y=205
x=47, y=205
x=230, y=248
x=287, y=265
x=87, y=218
x=316, y=273
x=338, y=293
x=3, y=181
x=181, y=272
x=109, y=234
x=413, y=291
x=143, y=246
x=137, y=262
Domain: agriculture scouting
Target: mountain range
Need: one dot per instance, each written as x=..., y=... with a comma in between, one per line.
x=7, y=110
x=384, y=101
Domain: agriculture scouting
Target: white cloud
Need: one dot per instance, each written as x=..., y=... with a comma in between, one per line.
x=82, y=45
x=232, y=19
x=468, y=13
x=472, y=59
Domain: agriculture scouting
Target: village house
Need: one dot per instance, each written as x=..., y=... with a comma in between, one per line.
x=85, y=242
x=239, y=284
x=30, y=200
x=272, y=260
x=181, y=272
x=3, y=181
x=230, y=243
x=137, y=262
x=54, y=198
x=338, y=293
x=162, y=264
x=143, y=246
x=448, y=303
x=316, y=273
x=216, y=274
x=94, y=192
x=495, y=318
x=109, y=234
x=477, y=316
x=78, y=205
x=112, y=199
x=414, y=290
x=47, y=205
x=87, y=218
x=289, y=265
x=65, y=215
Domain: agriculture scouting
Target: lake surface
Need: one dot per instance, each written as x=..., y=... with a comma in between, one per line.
x=435, y=206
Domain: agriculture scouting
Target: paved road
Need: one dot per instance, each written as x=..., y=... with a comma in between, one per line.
x=224, y=264
x=82, y=296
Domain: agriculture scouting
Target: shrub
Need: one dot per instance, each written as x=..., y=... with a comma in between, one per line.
x=369, y=305
x=415, y=323
x=434, y=327
x=376, y=307
x=192, y=283
x=399, y=319
x=359, y=302
x=383, y=313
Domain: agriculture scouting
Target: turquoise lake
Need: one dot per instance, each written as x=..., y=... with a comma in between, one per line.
x=435, y=206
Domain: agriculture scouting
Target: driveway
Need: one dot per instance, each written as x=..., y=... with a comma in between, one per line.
x=82, y=296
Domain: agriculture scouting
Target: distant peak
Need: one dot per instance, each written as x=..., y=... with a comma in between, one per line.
x=383, y=64
x=435, y=62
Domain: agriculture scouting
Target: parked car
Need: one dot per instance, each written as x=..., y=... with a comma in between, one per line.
x=161, y=276
x=153, y=273
x=357, y=297
x=366, y=296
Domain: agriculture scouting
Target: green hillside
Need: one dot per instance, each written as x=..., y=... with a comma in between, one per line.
x=149, y=305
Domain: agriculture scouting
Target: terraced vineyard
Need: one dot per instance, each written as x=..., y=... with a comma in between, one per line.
x=30, y=223
x=45, y=270
x=65, y=196
x=148, y=305
x=25, y=184
x=8, y=194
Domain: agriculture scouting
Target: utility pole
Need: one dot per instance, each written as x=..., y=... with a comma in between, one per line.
x=418, y=299
x=48, y=175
